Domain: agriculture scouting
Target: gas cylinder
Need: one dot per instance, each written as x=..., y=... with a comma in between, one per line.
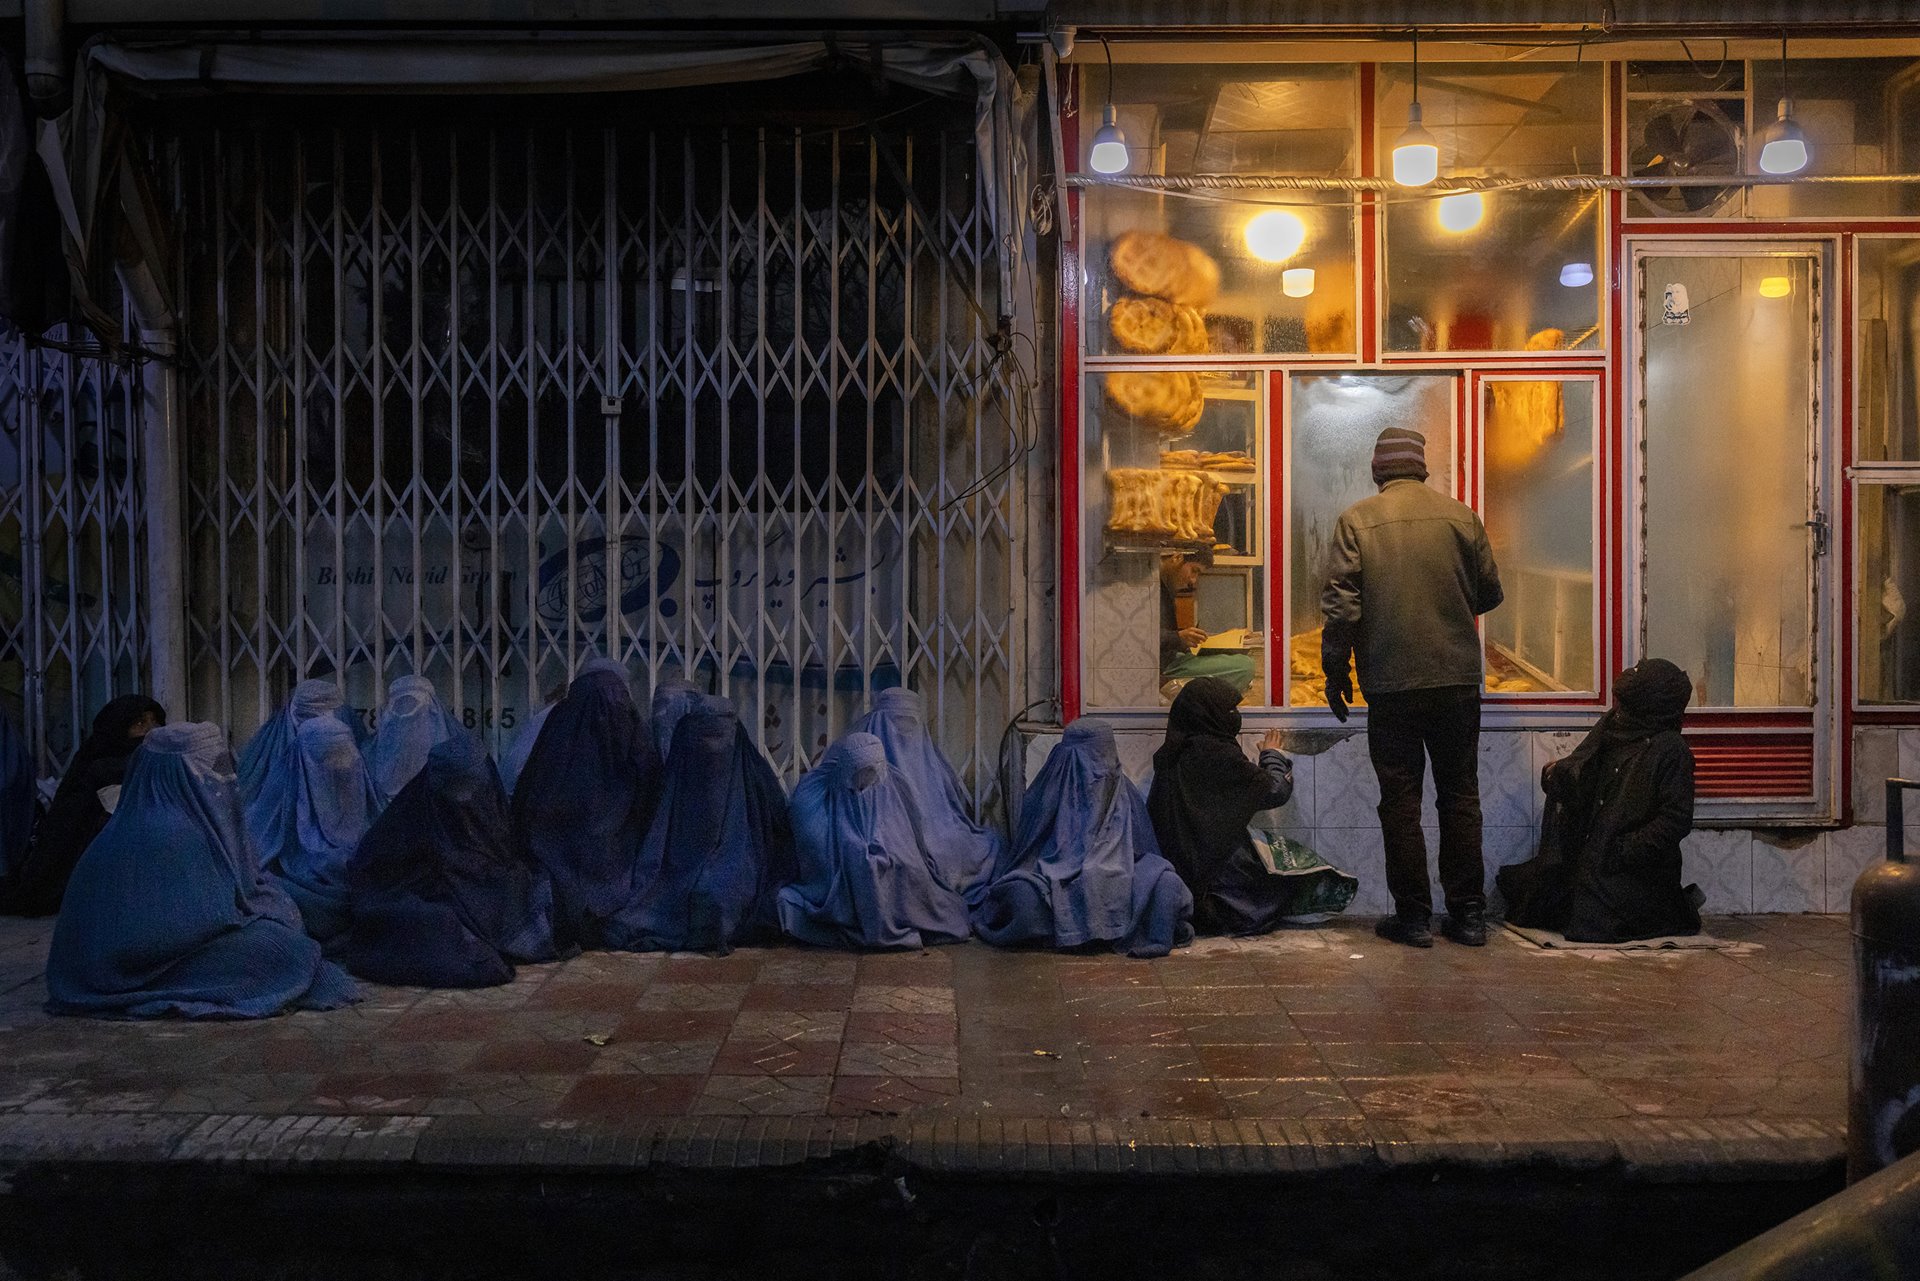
x=1883, y=1081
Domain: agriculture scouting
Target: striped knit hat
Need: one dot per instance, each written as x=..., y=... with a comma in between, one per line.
x=1399, y=452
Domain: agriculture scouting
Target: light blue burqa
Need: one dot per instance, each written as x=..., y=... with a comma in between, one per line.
x=330, y=804
x=411, y=725
x=267, y=762
x=965, y=851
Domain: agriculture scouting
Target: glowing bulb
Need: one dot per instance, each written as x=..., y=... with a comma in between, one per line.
x=1109, y=151
x=1783, y=146
x=1296, y=282
x=1416, y=156
x=1276, y=235
x=1775, y=287
x=1462, y=211
x=1576, y=274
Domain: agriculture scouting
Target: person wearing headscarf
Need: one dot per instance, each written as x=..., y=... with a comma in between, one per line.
x=1205, y=793
x=718, y=848
x=168, y=913
x=1085, y=866
x=78, y=811
x=1608, y=869
x=966, y=851
x=583, y=802
x=866, y=879
x=411, y=725
x=514, y=760
x=441, y=895
x=268, y=762
x=673, y=698
x=16, y=797
x=330, y=802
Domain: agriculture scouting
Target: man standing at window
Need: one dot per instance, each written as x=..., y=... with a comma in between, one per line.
x=1179, y=572
x=1408, y=572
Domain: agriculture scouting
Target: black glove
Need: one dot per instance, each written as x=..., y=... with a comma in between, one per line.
x=1339, y=694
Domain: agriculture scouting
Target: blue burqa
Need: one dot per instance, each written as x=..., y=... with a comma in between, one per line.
x=16, y=796
x=267, y=762
x=673, y=698
x=583, y=802
x=966, y=851
x=441, y=895
x=167, y=912
x=515, y=759
x=330, y=803
x=865, y=879
x=719, y=847
x=412, y=724
x=1085, y=867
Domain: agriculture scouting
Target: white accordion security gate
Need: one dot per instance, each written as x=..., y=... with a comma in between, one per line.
x=484, y=401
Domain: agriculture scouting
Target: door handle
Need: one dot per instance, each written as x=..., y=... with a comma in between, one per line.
x=1820, y=532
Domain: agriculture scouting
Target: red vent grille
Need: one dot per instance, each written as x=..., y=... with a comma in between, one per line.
x=1759, y=765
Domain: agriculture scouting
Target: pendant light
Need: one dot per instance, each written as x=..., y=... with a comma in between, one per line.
x=1109, y=151
x=1416, y=156
x=1783, y=147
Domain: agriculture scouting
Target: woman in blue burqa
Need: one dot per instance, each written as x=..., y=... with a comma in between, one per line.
x=1085, y=866
x=168, y=913
x=412, y=724
x=1205, y=793
x=330, y=802
x=583, y=801
x=967, y=851
x=866, y=878
x=266, y=763
x=719, y=847
x=441, y=895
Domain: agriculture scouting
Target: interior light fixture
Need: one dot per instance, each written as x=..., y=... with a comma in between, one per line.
x=1109, y=151
x=1576, y=274
x=1775, y=287
x=1296, y=282
x=1462, y=211
x=1783, y=147
x=1276, y=235
x=1416, y=156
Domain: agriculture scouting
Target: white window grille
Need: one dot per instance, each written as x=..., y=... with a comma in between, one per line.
x=482, y=401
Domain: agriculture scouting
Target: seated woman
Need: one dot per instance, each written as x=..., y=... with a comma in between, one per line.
x=1608, y=870
x=412, y=724
x=267, y=764
x=441, y=896
x=514, y=760
x=966, y=851
x=167, y=912
x=16, y=797
x=78, y=812
x=1085, y=867
x=329, y=803
x=673, y=698
x=1205, y=792
x=583, y=801
x=866, y=879
x=718, y=848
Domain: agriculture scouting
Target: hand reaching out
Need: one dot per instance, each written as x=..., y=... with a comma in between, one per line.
x=1273, y=741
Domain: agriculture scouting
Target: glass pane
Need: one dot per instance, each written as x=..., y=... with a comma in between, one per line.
x=1727, y=553
x=1890, y=593
x=1860, y=116
x=1172, y=540
x=1540, y=519
x=1186, y=274
x=1500, y=270
x=1333, y=420
x=1686, y=120
x=1889, y=307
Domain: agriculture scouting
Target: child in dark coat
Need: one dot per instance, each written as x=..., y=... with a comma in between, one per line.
x=1608, y=870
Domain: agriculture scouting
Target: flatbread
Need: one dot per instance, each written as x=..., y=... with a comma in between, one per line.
x=1145, y=325
x=1147, y=262
x=1199, y=285
x=1161, y=399
x=1189, y=332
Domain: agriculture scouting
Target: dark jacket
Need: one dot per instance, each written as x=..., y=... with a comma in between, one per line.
x=1408, y=572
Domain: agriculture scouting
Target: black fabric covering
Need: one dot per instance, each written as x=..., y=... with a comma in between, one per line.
x=1205, y=792
x=76, y=816
x=1608, y=869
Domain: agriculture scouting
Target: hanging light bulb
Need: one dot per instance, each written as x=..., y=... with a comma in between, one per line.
x=1296, y=282
x=1109, y=151
x=1276, y=235
x=1576, y=274
x=1416, y=156
x=1775, y=286
x=1462, y=211
x=1783, y=147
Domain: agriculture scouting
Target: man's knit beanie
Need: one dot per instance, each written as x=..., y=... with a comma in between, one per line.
x=1399, y=452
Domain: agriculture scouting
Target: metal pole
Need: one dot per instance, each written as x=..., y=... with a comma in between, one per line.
x=166, y=529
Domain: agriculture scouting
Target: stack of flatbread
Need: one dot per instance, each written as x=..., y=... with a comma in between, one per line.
x=1169, y=281
x=1210, y=460
x=1179, y=505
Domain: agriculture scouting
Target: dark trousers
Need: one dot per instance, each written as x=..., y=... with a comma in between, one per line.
x=1404, y=731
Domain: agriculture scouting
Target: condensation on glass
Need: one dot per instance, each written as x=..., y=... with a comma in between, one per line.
x=1503, y=270
x=1172, y=534
x=1538, y=479
x=1332, y=423
x=1235, y=253
x=1889, y=621
x=1729, y=423
x=1887, y=303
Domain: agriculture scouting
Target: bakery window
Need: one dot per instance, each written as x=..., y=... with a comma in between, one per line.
x=1541, y=510
x=1191, y=274
x=1499, y=269
x=1889, y=317
x=1332, y=423
x=1173, y=544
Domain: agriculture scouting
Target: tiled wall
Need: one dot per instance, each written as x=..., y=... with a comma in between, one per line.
x=1740, y=870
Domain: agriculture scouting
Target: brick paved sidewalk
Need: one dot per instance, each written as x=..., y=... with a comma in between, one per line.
x=1307, y=1042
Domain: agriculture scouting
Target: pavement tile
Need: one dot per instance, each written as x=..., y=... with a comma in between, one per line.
x=902, y=999
x=682, y=996
x=657, y=1058
x=571, y=1057
x=764, y=1096
x=758, y=1056
x=1255, y=1061
x=1287, y=1098
x=792, y=1025
x=891, y=1095
x=625, y=1094
x=607, y=997
x=673, y=1025
x=1402, y=1098
x=904, y=1029
x=798, y=996
x=891, y=1058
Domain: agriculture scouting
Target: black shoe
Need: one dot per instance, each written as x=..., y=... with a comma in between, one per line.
x=1469, y=929
x=1401, y=930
